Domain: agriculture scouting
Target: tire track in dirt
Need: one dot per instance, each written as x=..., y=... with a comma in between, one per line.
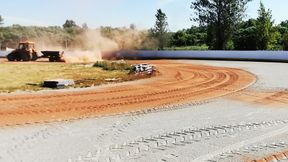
x=197, y=83
x=138, y=98
x=46, y=102
x=276, y=98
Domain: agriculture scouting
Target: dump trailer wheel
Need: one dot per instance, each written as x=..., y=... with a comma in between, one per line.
x=51, y=59
x=54, y=59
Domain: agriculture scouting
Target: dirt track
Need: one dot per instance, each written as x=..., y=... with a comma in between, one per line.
x=176, y=83
x=271, y=158
x=267, y=98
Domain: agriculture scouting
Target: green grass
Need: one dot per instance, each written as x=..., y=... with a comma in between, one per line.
x=186, y=48
x=114, y=65
x=30, y=76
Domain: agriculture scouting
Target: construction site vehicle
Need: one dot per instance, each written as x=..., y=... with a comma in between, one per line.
x=54, y=56
x=25, y=52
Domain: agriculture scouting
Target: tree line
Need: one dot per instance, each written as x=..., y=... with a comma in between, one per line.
x=73, y=36
x=221, y=27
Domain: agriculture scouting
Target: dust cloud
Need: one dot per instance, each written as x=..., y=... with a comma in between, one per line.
x=88, y=47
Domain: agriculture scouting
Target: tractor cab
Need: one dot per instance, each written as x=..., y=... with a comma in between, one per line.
x=26, y=46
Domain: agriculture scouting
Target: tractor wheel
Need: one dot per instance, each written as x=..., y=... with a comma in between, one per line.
x=11, y=57
x=34, y=56
x=26, y=57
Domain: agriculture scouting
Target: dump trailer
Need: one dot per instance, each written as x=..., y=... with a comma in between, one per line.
x=54, y=56
x=26, y=52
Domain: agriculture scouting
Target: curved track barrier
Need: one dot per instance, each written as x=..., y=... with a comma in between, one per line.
x=3, y=54
x=277, y=56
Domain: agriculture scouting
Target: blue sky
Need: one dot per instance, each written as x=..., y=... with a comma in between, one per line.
x=114, y=12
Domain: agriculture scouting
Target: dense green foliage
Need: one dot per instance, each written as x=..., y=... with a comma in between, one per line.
x=188, y=48
x=195, y=36
x=245, y=38
x=260, y=33
x=253, y=34
x=220, y=16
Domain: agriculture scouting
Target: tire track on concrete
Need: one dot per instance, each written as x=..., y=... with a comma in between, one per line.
x=24, y=143
x=247, y=151
x=144, y=146
x=242, y=144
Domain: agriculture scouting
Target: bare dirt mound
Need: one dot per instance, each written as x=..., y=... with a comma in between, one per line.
x=177, y=83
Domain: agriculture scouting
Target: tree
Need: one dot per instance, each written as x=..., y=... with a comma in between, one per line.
x=69, y=24
x=282, y=28
x=1, y=20
x=85, y=26
x=264, y=28
x=132, y=27
x=220, y=17
x=160, y=29
x=284, y=23
x=1, y=33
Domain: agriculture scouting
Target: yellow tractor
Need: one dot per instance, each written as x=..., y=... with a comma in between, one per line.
x=25, y=52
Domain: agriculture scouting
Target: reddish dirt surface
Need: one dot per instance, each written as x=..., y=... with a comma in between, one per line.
x=176, y=83
x=268, y=98
x=279, y=156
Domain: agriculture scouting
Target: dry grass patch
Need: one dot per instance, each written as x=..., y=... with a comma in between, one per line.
x=30, y=76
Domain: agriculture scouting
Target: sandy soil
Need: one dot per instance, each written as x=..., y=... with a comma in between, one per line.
x=269, y=98
x=176, y=83
x=226, y=127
